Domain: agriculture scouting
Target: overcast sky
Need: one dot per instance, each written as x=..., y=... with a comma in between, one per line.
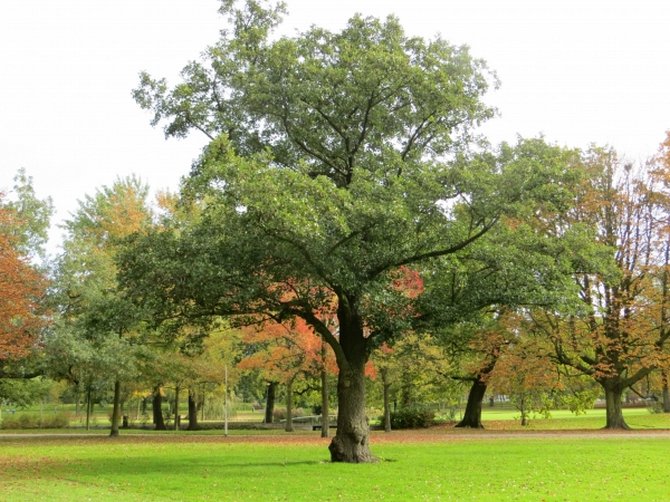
x=578, y=71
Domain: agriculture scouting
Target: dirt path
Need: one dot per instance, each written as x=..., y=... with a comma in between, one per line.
x=433, y=435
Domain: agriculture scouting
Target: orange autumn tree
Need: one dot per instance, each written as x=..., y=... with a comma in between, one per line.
x=21, y=287
x=285, y=352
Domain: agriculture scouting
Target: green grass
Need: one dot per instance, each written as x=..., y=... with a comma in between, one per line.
x=608, y=468
x=637, y=418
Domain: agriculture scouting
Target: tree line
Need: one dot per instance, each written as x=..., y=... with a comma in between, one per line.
x=347, y=218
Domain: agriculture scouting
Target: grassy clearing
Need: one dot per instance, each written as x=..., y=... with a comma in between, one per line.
x=187, y=468
x=637, y=418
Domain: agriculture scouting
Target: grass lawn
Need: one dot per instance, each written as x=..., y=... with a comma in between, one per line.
x=447, y=467
x=636, y=418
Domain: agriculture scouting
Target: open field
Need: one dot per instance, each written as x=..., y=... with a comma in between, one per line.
x=439, y=464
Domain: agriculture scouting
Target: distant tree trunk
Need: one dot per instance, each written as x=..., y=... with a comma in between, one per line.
x=176, y=407
x=89, y=407
x=325, y=411
x=666, y=393
x=473, y=409
x=289, y=405
x=157, y=408
x=192, y=411
x=386, y=385
x=116, y=410
x=270, y=402
x=613, y=392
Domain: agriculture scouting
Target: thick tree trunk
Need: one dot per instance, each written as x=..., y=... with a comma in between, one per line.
x=157, y=409
x=386, y=386
x=289, y=406
x=613, y=393
x=176, y=407
x=351, y=442
x=116, y=410
x=473, y=409
x=325, y=412
x=666, y=393
x=192, y=411
x=270, y=402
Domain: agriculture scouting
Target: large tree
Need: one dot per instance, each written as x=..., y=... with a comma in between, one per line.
x=91, y=309
x=24, y=221
x=344, y=157
x=618, y=335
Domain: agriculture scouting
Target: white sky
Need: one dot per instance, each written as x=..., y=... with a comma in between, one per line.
x=578, y=71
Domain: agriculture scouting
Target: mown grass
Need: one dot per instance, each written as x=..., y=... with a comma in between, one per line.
x=637, y=418
x=619, y=467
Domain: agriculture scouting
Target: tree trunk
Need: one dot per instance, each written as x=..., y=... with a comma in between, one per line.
x=386, y=385
x=325, y=412
x=666, y=393
x=116, y=410
x=89, y=407
x=473, y=409
x=613, y=393
x=270, y=402
x=351, y=442
x=157, y=408
x=192, y=411
x=176, y=407
x=289, y=406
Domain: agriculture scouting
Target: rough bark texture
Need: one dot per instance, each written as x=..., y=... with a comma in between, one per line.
x=351, y=442
x=192, y=411
x=270, y=402
x=116, y=410
x=157, y=408
x=613, y=393
x=473, y=410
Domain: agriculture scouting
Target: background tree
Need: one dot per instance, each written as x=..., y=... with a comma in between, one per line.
x=91, y=306
x=618, y=335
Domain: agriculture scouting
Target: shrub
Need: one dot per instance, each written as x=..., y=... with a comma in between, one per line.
x=411, y=418
x=30, y=421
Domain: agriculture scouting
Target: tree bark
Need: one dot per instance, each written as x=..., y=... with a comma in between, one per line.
x=157, y=408
x=666, y=393
x=116, y=410
x=176, y=407
x=270, y=402
x=351, y=442
x=289, y=406
x=192, y=411
x=386, y=385
x=89, y=407
x=613, y=393
x=473, y=409
x=325, y=411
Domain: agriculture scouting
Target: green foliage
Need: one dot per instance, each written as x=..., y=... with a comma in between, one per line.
x=30, y=230
x=23, y=392
x=35, y=421
x=410, y=418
